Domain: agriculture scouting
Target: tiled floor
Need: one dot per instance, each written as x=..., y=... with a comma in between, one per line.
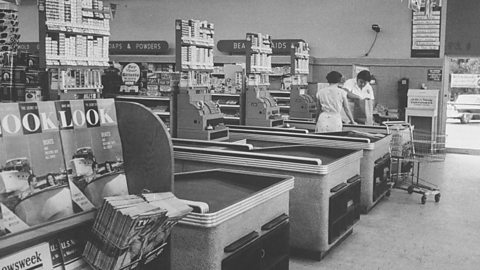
x=401, y=233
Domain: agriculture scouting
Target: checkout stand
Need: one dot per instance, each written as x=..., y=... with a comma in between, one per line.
x=213, y=239
x=245, y=226
x=324, y=204
x=375, y=163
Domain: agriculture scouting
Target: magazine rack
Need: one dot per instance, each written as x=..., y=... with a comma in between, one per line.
x=148, y=159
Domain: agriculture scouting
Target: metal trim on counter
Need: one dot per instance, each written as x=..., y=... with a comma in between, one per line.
x=306, y=139
x=233, y=146
x=209, y=220
x=251, y=159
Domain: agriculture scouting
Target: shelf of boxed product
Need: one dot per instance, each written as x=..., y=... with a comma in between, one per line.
x=146, y=98
x=300, y=59
x=196, y=44
x=76, y=50
x=75, y=28
x=74, y=33
x=229, y=106
x=66, y=79
x=259, y=58
x=283, y=100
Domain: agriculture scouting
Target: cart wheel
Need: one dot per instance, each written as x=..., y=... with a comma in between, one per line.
x=388, y=193
x=424, y=199
x=410, y=189
x=437, y=197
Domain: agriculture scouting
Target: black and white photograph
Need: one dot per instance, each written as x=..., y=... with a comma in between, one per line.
x=239, y=135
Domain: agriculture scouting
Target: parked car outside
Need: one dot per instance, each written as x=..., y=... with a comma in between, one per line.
x=465, y=108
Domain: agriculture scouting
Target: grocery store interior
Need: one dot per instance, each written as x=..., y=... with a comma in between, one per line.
x=235, y=135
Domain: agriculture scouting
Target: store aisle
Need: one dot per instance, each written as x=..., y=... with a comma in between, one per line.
x=401, y=233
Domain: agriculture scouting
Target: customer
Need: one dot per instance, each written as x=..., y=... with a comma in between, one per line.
x=330, y=101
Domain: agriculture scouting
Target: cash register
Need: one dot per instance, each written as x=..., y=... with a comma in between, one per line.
x=198, y=117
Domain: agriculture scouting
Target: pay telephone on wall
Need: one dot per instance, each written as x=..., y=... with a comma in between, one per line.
x=403, y=85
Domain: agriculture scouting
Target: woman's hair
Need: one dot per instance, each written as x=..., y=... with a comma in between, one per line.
x=53, y=177
x=364, y=75
x=30, y=178
x=334, y=77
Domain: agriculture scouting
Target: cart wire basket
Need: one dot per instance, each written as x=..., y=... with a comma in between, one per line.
x=408, y=150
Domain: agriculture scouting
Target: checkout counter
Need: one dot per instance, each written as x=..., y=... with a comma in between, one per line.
x=325, y=202
x=375, y=164
x=240, y=221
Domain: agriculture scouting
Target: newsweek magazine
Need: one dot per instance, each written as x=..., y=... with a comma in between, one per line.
x=93, y=151
x=36, y=257
x=33, y=181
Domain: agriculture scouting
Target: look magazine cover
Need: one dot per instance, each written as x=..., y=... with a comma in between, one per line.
x=93, y=151
x=33, y=181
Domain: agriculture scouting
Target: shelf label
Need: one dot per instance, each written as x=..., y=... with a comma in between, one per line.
x=79, y=198
x=238, y=46
x=148, y=47
x=434, y=75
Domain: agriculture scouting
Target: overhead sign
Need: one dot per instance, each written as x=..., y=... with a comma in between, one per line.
x=116, y=47
x=426, y=29
x=239, y=46
x=465, y=81
x=146, y=47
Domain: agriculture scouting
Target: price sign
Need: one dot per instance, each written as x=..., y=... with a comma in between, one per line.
x=131, y=73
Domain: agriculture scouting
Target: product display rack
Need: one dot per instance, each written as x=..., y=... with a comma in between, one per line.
x=280, y=82
x=258, y=108
x=159, y=105
x=195, y=115
x=302, y=105
x=148, y=166
x=74, y=38
x=230, y=106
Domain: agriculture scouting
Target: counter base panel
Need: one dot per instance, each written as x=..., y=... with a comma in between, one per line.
x=317, y=255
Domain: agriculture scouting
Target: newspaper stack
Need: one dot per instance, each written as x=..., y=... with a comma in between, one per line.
x=130, y=230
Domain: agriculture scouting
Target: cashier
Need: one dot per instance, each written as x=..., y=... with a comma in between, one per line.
x=331, y=100
x=359, y=88
x=360, y=93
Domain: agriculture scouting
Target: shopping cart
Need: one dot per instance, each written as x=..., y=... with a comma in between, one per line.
x=410, y=148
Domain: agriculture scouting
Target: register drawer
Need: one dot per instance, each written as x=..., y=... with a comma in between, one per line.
x=381, y=175
x=344, y=208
